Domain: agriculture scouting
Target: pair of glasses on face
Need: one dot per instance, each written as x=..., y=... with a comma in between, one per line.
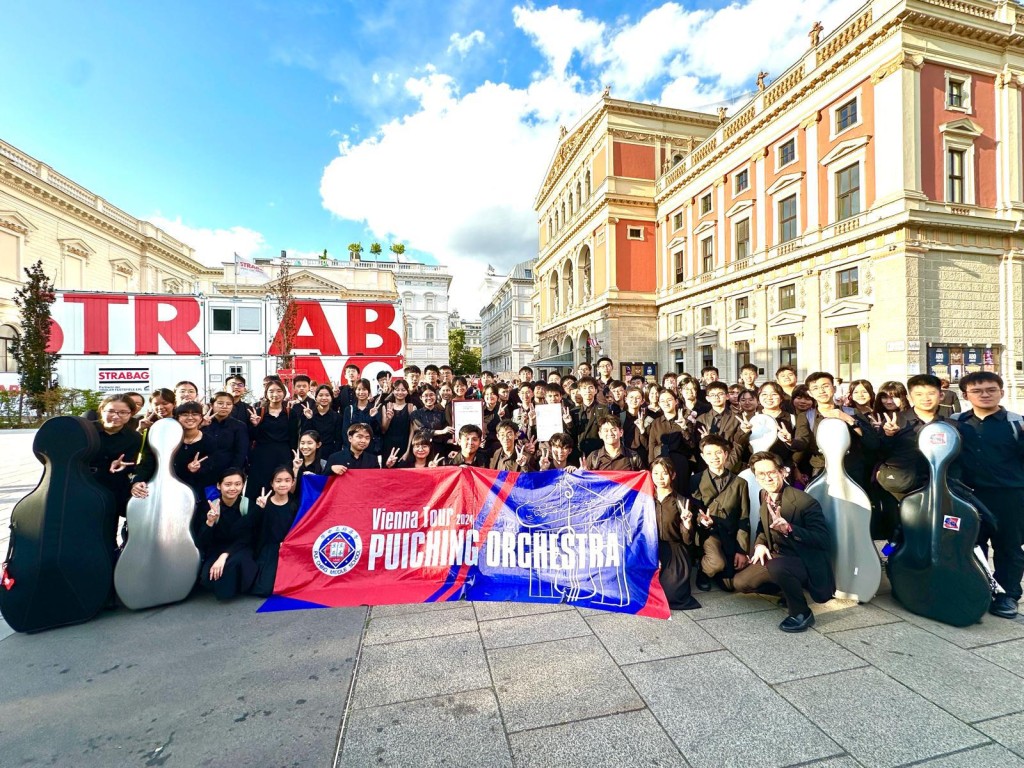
x=119, y=414
x=986, y=391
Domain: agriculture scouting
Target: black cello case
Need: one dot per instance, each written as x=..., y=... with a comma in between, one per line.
x=58, y=569
x=934, y=572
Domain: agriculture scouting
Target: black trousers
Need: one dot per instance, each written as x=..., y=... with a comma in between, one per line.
x=1007, y=504
x=787, y=572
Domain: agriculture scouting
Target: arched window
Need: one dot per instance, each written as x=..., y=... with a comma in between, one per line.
x=570, y=205
x=556, y=219
x=563, y=213
x=551, y=227
x=429, y=331
x=7, y=336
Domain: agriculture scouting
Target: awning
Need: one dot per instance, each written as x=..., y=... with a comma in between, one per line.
x=563, y=360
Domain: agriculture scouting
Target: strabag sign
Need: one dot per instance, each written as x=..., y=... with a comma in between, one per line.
x=119, y=380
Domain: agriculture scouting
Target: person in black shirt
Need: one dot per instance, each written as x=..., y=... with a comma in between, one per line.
x=240, y=409
x=613, y=456
x=470, y=438
x=587, y=416
x=508, y=456
x=193, y=463
x=345, y=395
x=118, y=452
x=223, y=533
x=229, y=438
x=674, y=533
x=559, y=453
x=992, y=460
x=320, y=418
x=421, y=454
x=357, y=454
x=276, y=513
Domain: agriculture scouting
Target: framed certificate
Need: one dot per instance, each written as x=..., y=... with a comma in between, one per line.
x=549, y=421
x=467, y=412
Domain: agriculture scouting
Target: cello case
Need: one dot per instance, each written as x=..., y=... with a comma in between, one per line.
x=847, y=510
x=934, y=572
x=58, y=569
x=763, y=434
x=160, y=561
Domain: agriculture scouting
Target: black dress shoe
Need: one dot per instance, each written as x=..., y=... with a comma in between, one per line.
x=799, y=623
x=1004, y=607
x=703, y=582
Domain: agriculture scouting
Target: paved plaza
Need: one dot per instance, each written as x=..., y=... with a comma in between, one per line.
x=506, y=684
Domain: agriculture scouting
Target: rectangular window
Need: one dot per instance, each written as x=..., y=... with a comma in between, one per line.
x=679, y=258
x=677, y=221
x=787, y=152
x=249, y=319
x=742, y=181
x=846, y=115
x=848, y=352
x=742, y=307
x=742, y=354
x=707, y=356
x=220, y=319
x=705, y=317
x=787, y=219
x=705, y=204
x=121, y=283
x=635, y=233
x=787, y=296
x=74, y=272
x=846, y=283
x=787, y=349
x=9, y=256
x=848, y=192
x=955, y=94
x=956, y=163
x=741, y=234
x=677, y=322
x=707, y=254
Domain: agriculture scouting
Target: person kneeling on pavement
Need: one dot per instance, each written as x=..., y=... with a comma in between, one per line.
x=792, y=547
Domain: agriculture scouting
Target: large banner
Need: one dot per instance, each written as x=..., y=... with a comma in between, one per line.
x=376, y=537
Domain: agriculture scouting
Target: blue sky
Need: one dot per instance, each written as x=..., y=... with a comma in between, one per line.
x=261, y=126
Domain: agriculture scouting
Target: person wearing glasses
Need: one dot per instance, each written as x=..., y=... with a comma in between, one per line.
x=992, y=460
x=113, y=462
x=197, y=462
x=792, y=547
x=865, y=440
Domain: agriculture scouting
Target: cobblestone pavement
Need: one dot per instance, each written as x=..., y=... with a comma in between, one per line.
x=510, y=684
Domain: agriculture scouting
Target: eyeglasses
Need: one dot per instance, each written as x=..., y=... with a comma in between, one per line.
x=119, y=414
x=819, y=388
x=765, y=475
x=986, y=391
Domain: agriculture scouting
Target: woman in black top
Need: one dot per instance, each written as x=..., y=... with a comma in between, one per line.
x=118, y=453
x=271, y=441
x=321, y=419
x=421, y=455
x=223, y=533
x=674, y=533
x=193, y=464
x=396, y=420
x=669, y=437
x=362, y=411
x=277, y=508
x=431, y=419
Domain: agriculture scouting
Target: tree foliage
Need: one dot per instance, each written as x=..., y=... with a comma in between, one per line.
x=29, y=349
x=354, y=249
x=375, y=249
x=397, y=248
x=465, y=361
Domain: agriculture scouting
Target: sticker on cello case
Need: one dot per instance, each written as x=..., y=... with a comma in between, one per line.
x=950, y=522
x=939, y=438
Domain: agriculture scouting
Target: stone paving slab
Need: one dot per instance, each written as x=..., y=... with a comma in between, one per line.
x=988, y=756
x=420, y=669
x=487, y=610
x=801, y=655
x=878, y=721
x=969, y=687
x=386, y=611
x=198, y=683
x=720, y=714
x=1008, y=731
x=633, y=639
x=452, y=730
x=715, y=604
x=1009, y=656
x=558, y=682
x=415, y=626
x=840, y=615
x=632, y=739
x=535, y=628
x=990, y=630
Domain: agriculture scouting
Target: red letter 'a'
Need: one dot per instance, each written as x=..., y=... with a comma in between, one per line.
x=149, y=327
x=319, y=337
x=360, y=328
x=96, y=316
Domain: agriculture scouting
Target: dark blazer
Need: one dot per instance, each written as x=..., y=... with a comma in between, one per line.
x=729, y=428
x=809, y=540
x=730, y=510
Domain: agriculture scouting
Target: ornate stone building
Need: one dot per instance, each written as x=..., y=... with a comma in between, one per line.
x=595, y=269
x=861, y=213
x=507, y=323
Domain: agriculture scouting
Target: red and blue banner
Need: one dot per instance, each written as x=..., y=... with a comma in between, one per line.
x=377, y=537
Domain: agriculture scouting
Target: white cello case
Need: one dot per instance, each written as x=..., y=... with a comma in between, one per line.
x=847, y=510
x=763, y=434
x=160, y=560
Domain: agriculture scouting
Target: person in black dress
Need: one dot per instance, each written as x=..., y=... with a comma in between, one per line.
x=119, y=450
x=362, y=411
x=193, y=464
x=396, y=420
x=271, y=439
x=431, y=419
x=276, y=513
x=223, y=533
x=674, y=533
x=322, y=419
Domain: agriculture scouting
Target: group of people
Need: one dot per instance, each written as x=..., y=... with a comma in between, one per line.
x=691, y=434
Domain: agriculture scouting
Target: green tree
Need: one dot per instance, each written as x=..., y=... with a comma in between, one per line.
x=397, y=248
x=354, y=250
x=463, y=360
x=29, y=349
x=375, y=249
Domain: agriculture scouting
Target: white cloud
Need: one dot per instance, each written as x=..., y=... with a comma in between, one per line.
x=461, y=45
x=456, y=178
x=214, y=246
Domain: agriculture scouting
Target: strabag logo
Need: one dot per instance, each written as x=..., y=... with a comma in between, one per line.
x=337, y=550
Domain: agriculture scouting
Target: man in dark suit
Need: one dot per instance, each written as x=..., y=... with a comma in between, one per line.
x=720, y=420
x=792, y=548
x=722, y=524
